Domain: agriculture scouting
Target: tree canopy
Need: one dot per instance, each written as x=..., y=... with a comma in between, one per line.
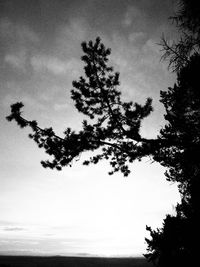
x=112, y=126
x=187, y=20
x=176, y=243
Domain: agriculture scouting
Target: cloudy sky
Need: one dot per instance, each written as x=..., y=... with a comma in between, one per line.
x=81, y=209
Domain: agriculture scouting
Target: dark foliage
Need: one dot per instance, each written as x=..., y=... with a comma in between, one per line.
x=187, y=20
x=176, y=243
x=113, y=127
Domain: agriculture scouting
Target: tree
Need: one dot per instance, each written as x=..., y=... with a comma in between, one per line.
x=113, y=125
x=175, y=244
x=113, y=131
x=187, y=20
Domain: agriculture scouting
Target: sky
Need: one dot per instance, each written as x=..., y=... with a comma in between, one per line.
x=80, y=210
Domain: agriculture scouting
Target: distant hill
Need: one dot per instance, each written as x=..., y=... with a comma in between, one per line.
x=32, y=261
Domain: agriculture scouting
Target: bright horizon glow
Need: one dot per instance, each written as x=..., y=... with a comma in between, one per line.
x=103, y=216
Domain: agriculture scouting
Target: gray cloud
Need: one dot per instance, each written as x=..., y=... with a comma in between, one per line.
x=53, y=64
x=15, y=229
x=17, y=33
x=16, y=61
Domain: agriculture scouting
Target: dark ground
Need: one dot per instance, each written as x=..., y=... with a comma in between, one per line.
x=28, y=261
